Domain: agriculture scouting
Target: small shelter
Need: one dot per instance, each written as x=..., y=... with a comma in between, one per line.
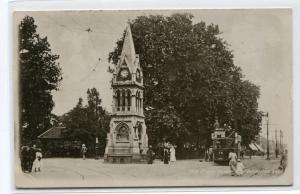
x=55, y=143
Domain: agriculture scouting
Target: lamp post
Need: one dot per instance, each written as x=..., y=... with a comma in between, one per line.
x=97, y=155
x=276, y=146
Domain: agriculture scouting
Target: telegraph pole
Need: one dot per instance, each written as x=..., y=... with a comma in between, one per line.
x=268, y=149
x=276, y=146
x=280, y=140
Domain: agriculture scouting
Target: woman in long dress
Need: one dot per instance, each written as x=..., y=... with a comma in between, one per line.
x=37, y=164
x=166, y=155
x=232, y=162
x=172, y=154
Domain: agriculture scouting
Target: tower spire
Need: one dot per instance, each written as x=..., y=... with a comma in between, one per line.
x=128, y=50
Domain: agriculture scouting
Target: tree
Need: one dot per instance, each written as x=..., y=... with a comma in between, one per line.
x=40, y=74
x=76, y=121
x=85, y=123
x=190, y=79
x=98, y=117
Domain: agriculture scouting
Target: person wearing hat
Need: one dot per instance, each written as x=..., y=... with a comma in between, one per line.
x=83, y=151
x=239, y=168
x=38, y=160
x=172, y=154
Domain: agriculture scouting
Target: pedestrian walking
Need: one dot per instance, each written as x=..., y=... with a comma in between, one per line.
x=232, y=162
x=83, y=151
x=239, y=168
x=150, y=155
x=172, y=154
x=37, y=164
x=283, y=161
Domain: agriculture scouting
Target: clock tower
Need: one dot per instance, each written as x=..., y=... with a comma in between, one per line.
x=127, y=141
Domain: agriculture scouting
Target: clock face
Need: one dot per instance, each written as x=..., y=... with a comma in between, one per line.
x=124, y=73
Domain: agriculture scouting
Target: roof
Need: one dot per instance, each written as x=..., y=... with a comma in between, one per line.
x=52, y=133
x=259, y=147
x=128, y=52
x=253, y=147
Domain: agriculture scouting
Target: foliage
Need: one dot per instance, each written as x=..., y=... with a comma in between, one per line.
x=190, y=80
x=39, y=75
x=84, y=123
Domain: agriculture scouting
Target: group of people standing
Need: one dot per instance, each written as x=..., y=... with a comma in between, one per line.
x=169, y=154
x=31, y=159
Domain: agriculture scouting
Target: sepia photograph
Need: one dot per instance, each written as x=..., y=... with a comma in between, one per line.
x=153, y=98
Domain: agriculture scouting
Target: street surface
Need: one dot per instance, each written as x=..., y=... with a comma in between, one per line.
x=75, y=172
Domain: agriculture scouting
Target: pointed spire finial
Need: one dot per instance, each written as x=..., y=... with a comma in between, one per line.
x=128, y=50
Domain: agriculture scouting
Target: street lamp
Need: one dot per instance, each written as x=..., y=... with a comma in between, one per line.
x=97, y=155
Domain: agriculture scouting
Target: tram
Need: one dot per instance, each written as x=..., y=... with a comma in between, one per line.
x=225, y=141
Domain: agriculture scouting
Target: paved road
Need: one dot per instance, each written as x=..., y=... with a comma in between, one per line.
x=58, y=172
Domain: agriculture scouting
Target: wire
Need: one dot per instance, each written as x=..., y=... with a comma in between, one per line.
x=89, y=31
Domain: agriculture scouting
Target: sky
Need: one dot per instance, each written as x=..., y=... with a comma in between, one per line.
x=261, y=41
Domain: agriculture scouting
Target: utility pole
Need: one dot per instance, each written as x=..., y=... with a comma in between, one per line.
x=280, y=143
x=268, y=149
x=276, y=146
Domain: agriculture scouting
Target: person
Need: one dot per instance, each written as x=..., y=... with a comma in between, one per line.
x=83, y=151
x=31, y=157
x=37, y=162
x=283, y=161
x=166, y=155
x=216, y=124
x=242, y=154
x=232, y=162
x=172, y=154
x=150, y=155
x=206, y=156
x=239, y=168
x=211, y=154
x=250, y=154
x=162, y=149
x=24, y=157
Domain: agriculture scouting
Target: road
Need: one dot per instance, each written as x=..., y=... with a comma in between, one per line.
x=71, y=172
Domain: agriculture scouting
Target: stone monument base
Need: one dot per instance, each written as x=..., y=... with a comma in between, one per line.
x=125, y=158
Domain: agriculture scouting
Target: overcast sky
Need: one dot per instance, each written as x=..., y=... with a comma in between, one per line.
x=261, y=41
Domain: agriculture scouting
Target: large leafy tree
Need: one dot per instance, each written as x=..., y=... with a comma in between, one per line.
x=85, y=123
x=190, y=80
x=40, y=74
